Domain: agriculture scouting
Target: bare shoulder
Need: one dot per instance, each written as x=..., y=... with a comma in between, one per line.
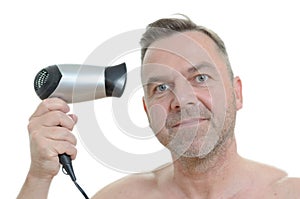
x=144, y=185
x=263, y=173
x=287, y=188
x=132, y=186
x=275, y=183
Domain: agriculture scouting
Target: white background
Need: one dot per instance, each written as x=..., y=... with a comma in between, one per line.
x=262, y=38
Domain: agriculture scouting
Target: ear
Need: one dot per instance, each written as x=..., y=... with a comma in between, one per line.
x=237, y=84
x=145, y=107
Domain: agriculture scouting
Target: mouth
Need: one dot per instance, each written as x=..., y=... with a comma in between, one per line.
x=189, y=122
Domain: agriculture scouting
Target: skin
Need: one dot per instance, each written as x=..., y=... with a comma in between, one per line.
x=191, y=111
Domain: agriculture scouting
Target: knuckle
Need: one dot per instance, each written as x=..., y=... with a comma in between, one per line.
x=66, y=147
x=72, y=138
x=71, y=126
x=72, y=149
x=35, y=136
x=69, y=147
x=68, y=136
x=57, y=114
x=33, y=124
x=34, y=130
x=45, y=104
x=30, y=126
x=54, y=103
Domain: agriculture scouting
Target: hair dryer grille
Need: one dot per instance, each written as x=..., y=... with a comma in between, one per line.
x=46, y=81
x=41, y=79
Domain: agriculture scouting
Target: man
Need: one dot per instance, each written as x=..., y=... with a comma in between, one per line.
x=191, y=98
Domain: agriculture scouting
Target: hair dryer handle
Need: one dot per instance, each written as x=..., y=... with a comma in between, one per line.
x=66, y=162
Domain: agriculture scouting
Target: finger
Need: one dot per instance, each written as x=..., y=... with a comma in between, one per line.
x=50, y=104
x=59, y=134
x=62, y=147
x=53, y=118
x=74, y=117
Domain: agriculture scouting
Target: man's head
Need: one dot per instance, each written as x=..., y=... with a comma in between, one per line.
x=191, y=96
x=168, y=26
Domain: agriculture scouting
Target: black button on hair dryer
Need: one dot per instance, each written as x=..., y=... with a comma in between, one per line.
x=77, y=83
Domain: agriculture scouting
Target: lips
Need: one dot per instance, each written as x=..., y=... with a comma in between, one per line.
x=188, y=122
x=187, y=116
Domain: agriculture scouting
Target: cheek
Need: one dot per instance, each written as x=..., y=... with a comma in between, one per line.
x=219, y=104
x=157, y=117
x=205, y=97
x=214, y=99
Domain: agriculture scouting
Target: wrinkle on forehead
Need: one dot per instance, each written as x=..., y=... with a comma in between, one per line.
x=187, y=48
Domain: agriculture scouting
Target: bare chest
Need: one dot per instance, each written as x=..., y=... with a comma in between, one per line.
x=249, y=194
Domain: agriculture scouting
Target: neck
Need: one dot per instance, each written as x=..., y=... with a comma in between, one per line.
x=208, y=176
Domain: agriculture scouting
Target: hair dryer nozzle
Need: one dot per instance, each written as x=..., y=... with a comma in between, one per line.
x=115, y=80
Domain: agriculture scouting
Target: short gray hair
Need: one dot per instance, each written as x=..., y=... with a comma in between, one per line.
x=165, y=27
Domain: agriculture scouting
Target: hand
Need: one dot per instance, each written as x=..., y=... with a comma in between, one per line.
x=50, y=134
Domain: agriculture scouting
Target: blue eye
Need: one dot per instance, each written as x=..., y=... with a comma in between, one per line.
x=201, y=78
x=162, y=88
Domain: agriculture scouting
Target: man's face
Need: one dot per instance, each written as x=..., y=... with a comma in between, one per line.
x=189, y=99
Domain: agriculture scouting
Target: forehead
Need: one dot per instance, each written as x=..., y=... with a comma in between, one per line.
x=181, y=51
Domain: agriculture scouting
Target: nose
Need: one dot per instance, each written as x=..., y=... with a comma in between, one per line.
x=183, y=95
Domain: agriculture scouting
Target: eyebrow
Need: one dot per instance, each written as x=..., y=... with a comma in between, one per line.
x=197, y=67
x=157, y=79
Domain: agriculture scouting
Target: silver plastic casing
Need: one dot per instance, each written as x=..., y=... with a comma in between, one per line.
x=86, y=82
x=80, y=83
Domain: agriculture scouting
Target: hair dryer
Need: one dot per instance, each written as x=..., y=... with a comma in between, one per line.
x=78, y=83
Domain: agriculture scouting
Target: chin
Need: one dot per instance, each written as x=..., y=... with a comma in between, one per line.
x=201, y=152
x=199, y=148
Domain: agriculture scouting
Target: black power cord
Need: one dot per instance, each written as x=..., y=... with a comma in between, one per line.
x=67, y=169
x=81, y=190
